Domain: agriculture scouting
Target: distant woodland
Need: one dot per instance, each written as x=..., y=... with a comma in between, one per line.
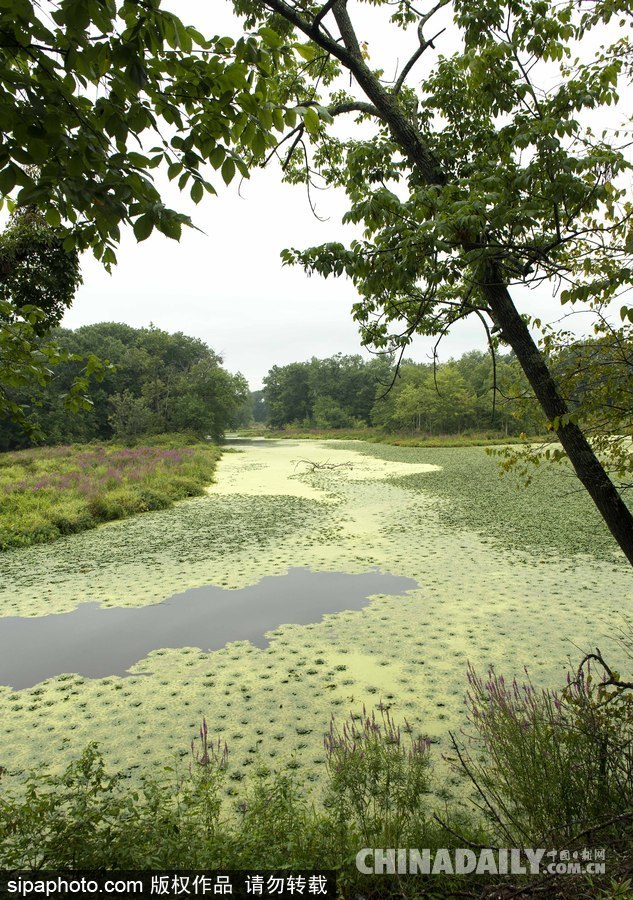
x=158, y=382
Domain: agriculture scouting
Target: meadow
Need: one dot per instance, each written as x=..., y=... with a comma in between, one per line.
x=48, y=492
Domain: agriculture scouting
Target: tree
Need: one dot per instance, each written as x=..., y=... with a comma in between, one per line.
x=94, y=96
x=36, y=271
x=475, y=181
x=287, y=392
x=38, y=280
x=155, y=382
x=86, y=85
x=131, y=416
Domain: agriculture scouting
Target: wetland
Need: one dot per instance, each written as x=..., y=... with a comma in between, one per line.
x=431, y=575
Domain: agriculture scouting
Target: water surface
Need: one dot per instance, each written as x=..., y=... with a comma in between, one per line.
x=96, y=642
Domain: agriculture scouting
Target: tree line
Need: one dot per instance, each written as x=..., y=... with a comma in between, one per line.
x=447, y=398
x=477, y=392
x=154, y=382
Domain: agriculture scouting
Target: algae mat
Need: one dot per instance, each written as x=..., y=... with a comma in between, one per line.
x=363, y=508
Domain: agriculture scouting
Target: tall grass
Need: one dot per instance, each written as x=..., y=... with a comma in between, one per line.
x=52, y=491
x=553, y=767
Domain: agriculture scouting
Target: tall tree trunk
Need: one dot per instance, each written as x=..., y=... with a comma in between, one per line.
x=588, y=467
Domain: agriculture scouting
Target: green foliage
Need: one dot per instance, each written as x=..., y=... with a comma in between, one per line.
x=378, y=778
x=38, y=280
x=55, y=491
x=577, y=745
x=596, y=375
x=35, y=269
x=88, y=95
x=131, y=416
x=155, y=382
x=344, y=392
x=94, y=97
x=337, y=392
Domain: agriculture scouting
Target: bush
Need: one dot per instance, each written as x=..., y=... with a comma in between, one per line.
x=71, y=517
x=554, y=765
x=377, y=778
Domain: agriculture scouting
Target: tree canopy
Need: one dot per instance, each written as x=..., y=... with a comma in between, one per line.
x=155, y=382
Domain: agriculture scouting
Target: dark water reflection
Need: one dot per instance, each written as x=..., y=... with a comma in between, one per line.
x=97, y=642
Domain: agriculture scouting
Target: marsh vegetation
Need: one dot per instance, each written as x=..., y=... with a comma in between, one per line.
x=491, y=587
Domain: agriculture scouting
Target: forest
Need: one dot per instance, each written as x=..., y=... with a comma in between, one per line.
x=446, y=398
x=152, y=382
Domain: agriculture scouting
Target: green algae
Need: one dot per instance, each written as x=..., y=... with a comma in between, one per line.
x=552, y=513
x=475, y=601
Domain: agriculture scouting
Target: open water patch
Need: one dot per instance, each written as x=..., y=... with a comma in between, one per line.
x=96, y=641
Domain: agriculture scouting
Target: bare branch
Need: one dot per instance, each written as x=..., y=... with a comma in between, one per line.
x=611, y=676
x=416, y=56
x=313, y=466
x=350, y=55
x=353, y=106
x=322, y=13
x=424, y=44
x=339, y=9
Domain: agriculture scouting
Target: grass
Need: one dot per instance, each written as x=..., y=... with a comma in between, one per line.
x=53, y=491
x=406, y=439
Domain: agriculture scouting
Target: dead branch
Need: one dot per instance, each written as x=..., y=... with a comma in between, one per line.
x=314, y=466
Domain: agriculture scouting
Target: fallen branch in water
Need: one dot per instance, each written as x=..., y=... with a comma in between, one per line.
x=314, y=466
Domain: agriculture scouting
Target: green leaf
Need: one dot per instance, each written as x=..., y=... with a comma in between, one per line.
x=7, y=179
x=270, y=37
x=258, y=144
x=170, y=226
x=53, y=217
x=228, y=171
x=217, y=156
x=143, y=227
x=306, y=51
x=197, y=191
x=311, y=120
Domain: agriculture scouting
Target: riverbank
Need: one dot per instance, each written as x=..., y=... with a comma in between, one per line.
x=48, y=492
x=489, y=438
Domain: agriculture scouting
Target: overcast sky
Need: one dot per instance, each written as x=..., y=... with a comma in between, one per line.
x=227, y=285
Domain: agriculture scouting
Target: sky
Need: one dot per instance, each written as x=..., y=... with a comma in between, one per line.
x=226, y=284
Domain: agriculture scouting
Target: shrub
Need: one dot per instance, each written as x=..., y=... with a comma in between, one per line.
x=556, y=767
x=378, y=777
